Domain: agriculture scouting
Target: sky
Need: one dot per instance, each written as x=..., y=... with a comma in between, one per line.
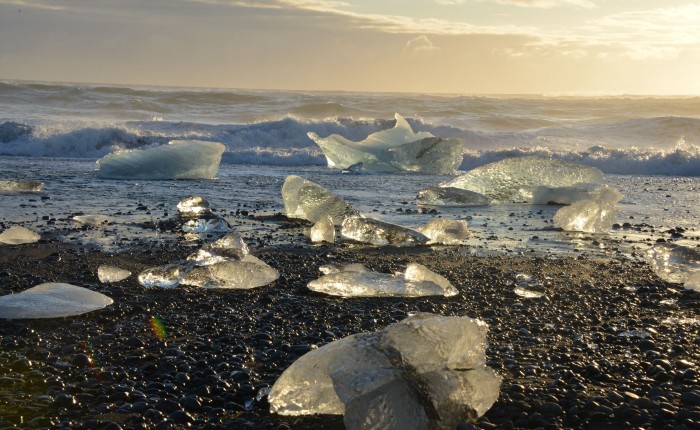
x=571, y=47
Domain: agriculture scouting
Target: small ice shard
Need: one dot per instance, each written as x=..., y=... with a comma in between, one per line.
x=528, y=287
x=425, y=372
x=676, y=263
x=21, y=186
x=17, y=235
x=356, y=281
x=391, y=150
x=451, y=196
x=250, y=272
x=445, y=231
x=167, y=276
x=307, y=200
x=527, y=293
x=375, y=232
x=512, y=180
x=206, y=226
x=51, y=300
x=180, y=159
x=230, y=246
x=194, y=206
x=323, y=231
x=107, y=274
x=93, y=220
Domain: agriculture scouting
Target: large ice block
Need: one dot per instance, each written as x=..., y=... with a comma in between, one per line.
x=676, y=263
x=51, y=300
x=375, y=232
x=425, y=372
x=395, y=149
x=180, y=159
x=17, y=235
x=588, y=216
x=249, y=272
x=307, y=200
x=445, y=231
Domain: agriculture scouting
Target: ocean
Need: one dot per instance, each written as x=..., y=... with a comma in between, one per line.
x=648, y=147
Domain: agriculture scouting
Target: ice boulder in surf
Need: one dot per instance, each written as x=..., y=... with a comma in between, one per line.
x=425, y=372
x=307, y=200
x=676, y=263
x=180, y=159
x=51, y=300
x=375, y=232
x=18, y=235
x=591, y=215
x=393, y=150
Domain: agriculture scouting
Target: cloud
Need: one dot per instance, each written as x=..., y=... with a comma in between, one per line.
x=420, y=45
x=544, y=4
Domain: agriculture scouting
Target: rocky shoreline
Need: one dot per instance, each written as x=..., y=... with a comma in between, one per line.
x=609, y=345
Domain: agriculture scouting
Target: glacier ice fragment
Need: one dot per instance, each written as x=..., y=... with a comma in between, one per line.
x=588, y=216
x=375, y=232
x=676, y=263
x=323, y=231
x=571, y=194
x=51, y=300
x=249, y=272
x=206, y=226
x=445, y=231
x=193, y=206
x=451, y=196
x=180, y=159
x=307, y=200
x=167, y=276
x=17, y=235
x=229, y=246
x=93, y=220
x=106, y=273
x=21, y=186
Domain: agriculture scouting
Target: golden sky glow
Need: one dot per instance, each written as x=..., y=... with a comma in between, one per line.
x=453, y=46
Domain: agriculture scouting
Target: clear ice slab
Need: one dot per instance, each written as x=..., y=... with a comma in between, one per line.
x=323, y=231
x=227, y=247
x=17, y=235
x=51, y=300
x=425, y=372
x=676, y=263
x=307, y=200
x=21, y=186
x=107, y=274
x=375, y=232
x=394, y=149
x=193, y=206
x=588, y=216
x=167, y=276
x=445, y=231
x=249, y=272
x=180, y=159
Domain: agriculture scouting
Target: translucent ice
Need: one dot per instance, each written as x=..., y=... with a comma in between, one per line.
x=513, y=179
x=676, y=263
x=572, y=194
x=445, y=231
x=184, y=159
x=375, y=232
x=589, y=216
x=107, y=273
x=167, y=276
x=52, y=300
x=193, y=206
x=93, y=220
x=206, y=226
x=323, y=231
x=307, y=200
x=451, y=196
x=425, y=372
x=395, y=149
x=356, y=281
x=21, y=186
x=230, y=246
x=17, y=235
x=250, y=272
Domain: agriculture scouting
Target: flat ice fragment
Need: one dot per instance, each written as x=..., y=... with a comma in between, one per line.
x=589, y=216
x=323, y=231
x=249, y=272
x=21, y=186
x=206, y=226
x=17, y=235
x=93, y=220
x=230, y=246
x=193, y=206
x=167, y=276
x=451, y=196
x=107, y=274
x=307, y=200
x=180, y=159
x=527, y=293
x=375, y=232
x=51, y=300
x=425, y=372
x=676, y=263
x=445, y=231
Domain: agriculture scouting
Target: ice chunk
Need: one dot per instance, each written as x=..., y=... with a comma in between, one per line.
x=250, y=272
x=356, y=281
x=395, y=149
x=111, y=274
x=194, y=206
x=323, y=231
x=51, y=300
x=230, y=246
x=17, y=235
x=93, y=220
x=167, y=276
x=445, y=231
x=512, y=180
x=181, y=159
x=375, y=232
x=426, y=371
x=307, y=200
x=206, y=226
x=676, y=263
x=21, y=186
x=572, y=194
x=451, y=196
x=589, y=216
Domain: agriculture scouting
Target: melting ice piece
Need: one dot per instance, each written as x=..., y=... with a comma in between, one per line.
x=193, y=206
x=589, y=216
x=107, y=274
x=572, y=194
x=445, y=231
x=206, y=226
x=52, y=300
x=676, y=263
x=17, y=235
x=375, y=232
x=395, y=149
x=512, y=180
x=451, y=196
x=230, y=246
x=181, y=159
x=93, y=220
x=323, y=231
x=426, y=371
x=307, y=200
x=21, y=186
x=356, y=281
x=168, y=276
x=250, y=272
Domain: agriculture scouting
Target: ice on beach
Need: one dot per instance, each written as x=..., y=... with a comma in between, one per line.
x=230, y=246
x=572, y=194
x=206, y=226
x=17, y=235
x=167, y=276
x=451, y=196
x=426, y=371
x=93, y=220
x=375, y=232
x=676, y=263
x=51, y=300
x=307, y=200
x=356, y=281
x=180, y=159
x=394, y=149
x=193, y=206
x=249, y=272
x=513, y=180
x=21, y=186
x=323, y=231
x=445, y=231
x=108, y=274
x=588, y=216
